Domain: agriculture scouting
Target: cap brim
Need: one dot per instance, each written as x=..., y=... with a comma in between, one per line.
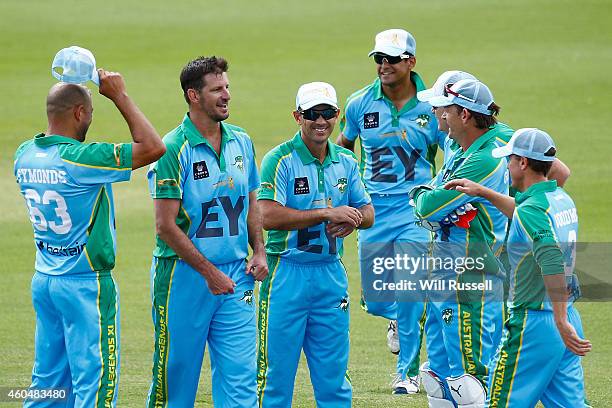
x=440, y=101
x=315, y=102
x=391, y=51
x=503, y=151
x=426, y=95
x=95, y=78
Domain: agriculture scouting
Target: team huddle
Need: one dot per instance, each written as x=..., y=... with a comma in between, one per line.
x=512, y=339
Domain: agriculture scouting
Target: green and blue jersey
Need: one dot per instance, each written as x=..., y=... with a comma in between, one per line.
x=398, y=146
x=291, y=176
x=541, y=241
x=67, y=188
x=213, y=189
x=485, y=236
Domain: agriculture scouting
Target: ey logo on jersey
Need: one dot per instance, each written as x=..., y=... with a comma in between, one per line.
x=422, y=120
x=370, y=120
x=200, y=170
x=341, y=184
x=300, y=186
x=239, y=163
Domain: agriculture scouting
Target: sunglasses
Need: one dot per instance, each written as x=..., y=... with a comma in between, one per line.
x=311, y=114
x=380, y=58
x=448, y=90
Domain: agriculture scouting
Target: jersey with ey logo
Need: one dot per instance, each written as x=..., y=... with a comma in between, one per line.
x=541, y=242
x=292, y=177
x=67, y=188
x=486, y=233
x=398, y=146
x=213, y=189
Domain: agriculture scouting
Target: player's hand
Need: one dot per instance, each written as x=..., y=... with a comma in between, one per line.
x=574, y=343
x=257, y=266
x=344, y=213
x=341, y=230
x=464, y=186
x=219, y=283
x=111, y=84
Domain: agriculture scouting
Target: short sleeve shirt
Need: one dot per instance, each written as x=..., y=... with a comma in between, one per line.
x=398, y=147
x=294, y=178
x=67, y=189
x=213, y=189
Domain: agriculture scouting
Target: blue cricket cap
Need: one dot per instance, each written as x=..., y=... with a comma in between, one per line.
x=446, y=78
x=468, y=93
x=75, y=65
x=528, y=142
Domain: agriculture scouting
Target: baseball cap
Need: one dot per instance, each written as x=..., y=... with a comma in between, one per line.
x=315, y=93
x=468, y=93
x=394, y=42
x=527, y=142
x=447, y=78
x=75, y=65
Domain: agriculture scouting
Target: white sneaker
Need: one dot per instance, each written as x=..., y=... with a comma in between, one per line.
x=408, y=386
x=393, y=337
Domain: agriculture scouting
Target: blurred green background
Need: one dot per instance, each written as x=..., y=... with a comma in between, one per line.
x=548, y=64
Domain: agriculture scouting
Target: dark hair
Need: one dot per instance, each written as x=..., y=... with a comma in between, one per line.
x=483, y=121
x=542, y=167
x=192, y=75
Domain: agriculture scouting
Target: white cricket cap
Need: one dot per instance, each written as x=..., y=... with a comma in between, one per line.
x=315, y=93
x=75, y=65
x=394, y=42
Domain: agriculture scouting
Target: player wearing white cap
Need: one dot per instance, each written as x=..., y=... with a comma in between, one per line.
x=311, y=197
x=399, y=138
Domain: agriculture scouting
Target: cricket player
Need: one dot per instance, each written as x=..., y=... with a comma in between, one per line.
x=311, y=197
x=66, y=184
x=539, y=358
x=461, y=326
x=206, y=215
x=399, y=138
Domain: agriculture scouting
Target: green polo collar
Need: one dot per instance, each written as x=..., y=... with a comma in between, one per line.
x=306, y=157
x=478, y=143
x=541, y=187
x=395, y=114
x=194, y=137
x=42, y=140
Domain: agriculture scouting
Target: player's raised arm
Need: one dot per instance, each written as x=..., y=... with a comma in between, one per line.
x=147, y=146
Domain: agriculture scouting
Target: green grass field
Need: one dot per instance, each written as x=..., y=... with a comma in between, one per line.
x=548, y=64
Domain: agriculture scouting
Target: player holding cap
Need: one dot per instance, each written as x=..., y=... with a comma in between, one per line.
x=543, y=336
x=311, y=197
x=399, y=139
x=461, y=328
x=66, y=184
x=206, y=216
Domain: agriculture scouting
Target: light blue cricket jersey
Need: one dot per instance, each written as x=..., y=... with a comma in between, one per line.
x=213, y=189
x=542, y=241
x=66, y=186
x=398, y=147
x=292, y=177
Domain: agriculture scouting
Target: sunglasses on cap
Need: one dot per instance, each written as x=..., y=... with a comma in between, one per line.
x=449, y=91
x=312, y=114
x=380, y=58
